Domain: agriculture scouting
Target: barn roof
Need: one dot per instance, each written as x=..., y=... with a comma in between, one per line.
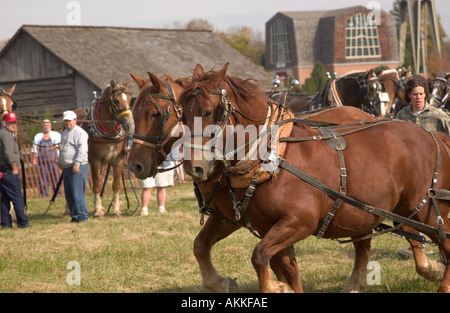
x=104, y=53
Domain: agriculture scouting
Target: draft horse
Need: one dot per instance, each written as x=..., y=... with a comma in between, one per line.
x=109, y=123
x=393, y=82
x=157, y=112
x=440, y=88
x=296, y=202
x=358, y=89
x=7, y=102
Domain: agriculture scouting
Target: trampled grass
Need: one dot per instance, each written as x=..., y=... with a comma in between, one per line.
x=154, y=254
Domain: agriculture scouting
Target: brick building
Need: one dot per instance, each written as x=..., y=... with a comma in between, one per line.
x=343, y=40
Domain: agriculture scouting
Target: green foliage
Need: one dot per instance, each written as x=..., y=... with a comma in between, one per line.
x=317, y=80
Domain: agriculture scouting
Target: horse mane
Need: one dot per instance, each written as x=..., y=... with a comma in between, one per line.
x=244, y=89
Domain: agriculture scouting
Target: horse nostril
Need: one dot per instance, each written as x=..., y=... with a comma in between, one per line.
x=198, y=171
x=138, y=168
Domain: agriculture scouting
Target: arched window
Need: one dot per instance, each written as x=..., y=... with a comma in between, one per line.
x=361, y=38
x=281, y=54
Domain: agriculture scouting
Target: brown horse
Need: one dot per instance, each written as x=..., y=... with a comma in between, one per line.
x=393, y=82
x=440, y=88
x=156, y=113
x=281, y=218
x=143, y=156
x=7, y=102
x=109, y=123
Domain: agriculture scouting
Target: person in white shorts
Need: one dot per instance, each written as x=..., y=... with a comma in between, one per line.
x=160, y=181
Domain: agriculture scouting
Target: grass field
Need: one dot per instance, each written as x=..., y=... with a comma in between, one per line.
x=137, y=254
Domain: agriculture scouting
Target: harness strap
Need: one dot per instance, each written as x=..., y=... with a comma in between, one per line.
x=338, y=143
x=240, y=207
x=356, y=203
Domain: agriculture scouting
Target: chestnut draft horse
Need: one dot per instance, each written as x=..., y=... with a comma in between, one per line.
x=405, y=183
x=156, y=113
x=153, y=119
x=7, y=102
x=109, y=123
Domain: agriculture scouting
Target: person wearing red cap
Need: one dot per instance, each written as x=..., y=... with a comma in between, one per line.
x=10, y=186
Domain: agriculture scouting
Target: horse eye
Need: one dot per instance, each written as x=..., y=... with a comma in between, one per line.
x=155, y=114
x=207, y=114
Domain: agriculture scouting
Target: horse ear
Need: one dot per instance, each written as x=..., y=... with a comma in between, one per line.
x=126, y=84
x=11, y=90
x=220, y=75
x=139, y=81
x=198, y=72
x=408, y=71
x=112, y=83
x=169, y=78
x=156, y=81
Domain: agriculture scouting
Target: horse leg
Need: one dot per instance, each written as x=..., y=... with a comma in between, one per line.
x=99, y=211
x=358, y=278
x=429, y=269
x=281, y=236
x=116, y=188
x=284, y=265
x=212, y=232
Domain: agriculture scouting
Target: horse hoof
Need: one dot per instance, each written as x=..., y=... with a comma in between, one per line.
x=232, y=285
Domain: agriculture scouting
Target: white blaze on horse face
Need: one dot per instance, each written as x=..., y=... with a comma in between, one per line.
x=124, y=96
x=4, y=102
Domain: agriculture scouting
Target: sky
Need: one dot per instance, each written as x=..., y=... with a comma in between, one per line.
x=223, y=15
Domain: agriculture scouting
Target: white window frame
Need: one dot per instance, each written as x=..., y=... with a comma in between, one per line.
x=280, y=43
x=361, y=38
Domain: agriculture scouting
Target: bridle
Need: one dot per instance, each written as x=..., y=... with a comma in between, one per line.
x=158, y=142
x=436, y=87
x=369, y=94
x=114, y=103
x=225, y=110
x=116, y=112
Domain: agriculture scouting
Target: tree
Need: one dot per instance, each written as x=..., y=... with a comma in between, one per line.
x=317, y=80
x=246, y=41
x=434, y=63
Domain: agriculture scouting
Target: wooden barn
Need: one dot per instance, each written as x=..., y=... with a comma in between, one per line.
x=59, y=67
x=343, y=40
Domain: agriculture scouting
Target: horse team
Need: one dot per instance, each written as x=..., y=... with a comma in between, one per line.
x=333, y=172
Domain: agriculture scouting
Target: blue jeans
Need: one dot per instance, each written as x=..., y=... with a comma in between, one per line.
x=75, y=191
x=10, y=189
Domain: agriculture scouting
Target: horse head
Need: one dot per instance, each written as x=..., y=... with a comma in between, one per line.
x=371, y=92
x=118, y=100
x=156, y=115
x=7, y=102
x=211, y=102
x=440, y=88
